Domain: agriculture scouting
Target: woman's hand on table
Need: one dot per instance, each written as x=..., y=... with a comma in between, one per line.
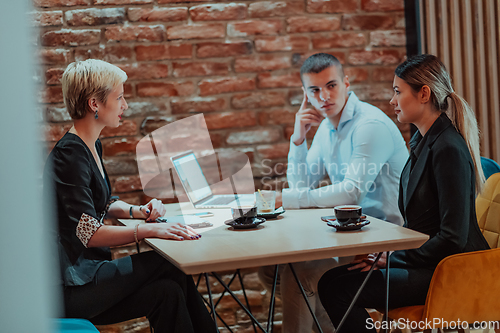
x=174, y=231
x=153, y=210
x=365, y=261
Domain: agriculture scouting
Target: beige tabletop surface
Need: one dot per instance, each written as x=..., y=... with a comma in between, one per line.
x=297, y=235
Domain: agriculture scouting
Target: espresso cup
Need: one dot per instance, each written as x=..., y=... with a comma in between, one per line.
x=243, y=212
x=348, y=213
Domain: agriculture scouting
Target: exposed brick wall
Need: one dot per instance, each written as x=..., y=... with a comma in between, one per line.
x=236, y=62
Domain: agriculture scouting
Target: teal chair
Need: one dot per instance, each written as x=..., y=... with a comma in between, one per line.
x=70, y=325
x=489, y=166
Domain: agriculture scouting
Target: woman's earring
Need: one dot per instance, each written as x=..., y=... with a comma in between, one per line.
x=96, y=116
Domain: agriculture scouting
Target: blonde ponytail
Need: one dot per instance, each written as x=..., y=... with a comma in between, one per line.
x=464, y=120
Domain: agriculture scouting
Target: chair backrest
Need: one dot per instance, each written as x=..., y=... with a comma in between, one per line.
x=488, y=211
x=489, y=166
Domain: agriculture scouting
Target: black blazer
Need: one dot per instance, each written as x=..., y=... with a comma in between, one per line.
x=78, y=188
x=437, y=197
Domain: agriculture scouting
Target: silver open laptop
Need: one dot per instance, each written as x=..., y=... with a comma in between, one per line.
x=197, y=188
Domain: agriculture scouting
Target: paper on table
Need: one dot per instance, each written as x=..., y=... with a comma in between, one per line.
x=183, y=219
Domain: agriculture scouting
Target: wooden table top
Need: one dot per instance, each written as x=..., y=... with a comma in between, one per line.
x=297, y=235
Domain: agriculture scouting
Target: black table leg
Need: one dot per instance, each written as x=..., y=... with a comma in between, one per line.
x=270, y=317
x=237, y=300
x=211, y=302
x=246, y=298
x=358, y=293
x=386, y=314
x=305, y=298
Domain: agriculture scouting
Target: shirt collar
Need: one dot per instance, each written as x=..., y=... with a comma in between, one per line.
x=347, y=112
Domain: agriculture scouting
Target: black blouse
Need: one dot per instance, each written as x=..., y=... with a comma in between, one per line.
x=82, y=196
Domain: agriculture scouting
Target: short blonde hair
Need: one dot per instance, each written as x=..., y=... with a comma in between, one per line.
x=83, y=80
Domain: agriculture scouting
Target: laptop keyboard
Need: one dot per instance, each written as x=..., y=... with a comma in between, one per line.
x=220, y=201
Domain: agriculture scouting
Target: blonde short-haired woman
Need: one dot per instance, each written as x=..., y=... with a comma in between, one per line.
x=436, y=197
x=95, y=286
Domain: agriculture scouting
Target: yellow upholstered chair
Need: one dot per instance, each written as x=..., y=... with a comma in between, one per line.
x=466, y=286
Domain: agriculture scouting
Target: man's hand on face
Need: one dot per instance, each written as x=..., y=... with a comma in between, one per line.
x=304, y=119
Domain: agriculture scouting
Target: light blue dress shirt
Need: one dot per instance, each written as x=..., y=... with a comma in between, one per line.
x=363, y=158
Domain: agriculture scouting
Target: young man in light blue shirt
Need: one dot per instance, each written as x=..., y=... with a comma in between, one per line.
x=363, y=153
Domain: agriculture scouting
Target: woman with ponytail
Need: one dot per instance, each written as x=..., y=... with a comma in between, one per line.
x=437, y=194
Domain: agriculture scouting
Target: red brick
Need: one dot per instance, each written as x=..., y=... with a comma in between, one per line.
x=367, y=22
x=197, y=104
x=368, y=92
x=94, y=16
x=295, y=97
x=53, y=76
x=299, y=58
x=151, y=124
x=137, y=33
x=157, y=89
x=382, y=5
x=400, y=20
x=230, y=119
x=332, y=6
x=262, y=63
x=61, y=3
x=388, y=38
x=128, y=90
x=338, y=39
x=275, y=8
x=47, y=19
x=356, y=74
x=277, y=117
x=200, y=68
x=54, y=56
x=196, y=31
x=66, y=37
x=218, y=12
x=175, y=1
x=383, y=74
x=226, y=84
x=382, y=57
x=255, y=136
x=140, y=71
x=51, y=94
x=312, y=24
x=120, y=166
x=281, y=43
x=144, y=108
x=279, y=150
x=109, y=53
x=223, y=49
x=122, y=2
x=169, y=14
x=55, y=132
x=268, y=80
x=258, y=100
x=254, y=27
x=119, y=146
x=125, y=184
x=163, y=52
x=126, y=128
x=56, y=114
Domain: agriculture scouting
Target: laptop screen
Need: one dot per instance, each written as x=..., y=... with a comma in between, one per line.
x=193, y=180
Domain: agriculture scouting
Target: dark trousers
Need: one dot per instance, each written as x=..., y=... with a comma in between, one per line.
x=143, y=284
x=337, y=287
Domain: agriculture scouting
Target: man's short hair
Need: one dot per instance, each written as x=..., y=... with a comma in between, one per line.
x=319, y=62
x=83, y=80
